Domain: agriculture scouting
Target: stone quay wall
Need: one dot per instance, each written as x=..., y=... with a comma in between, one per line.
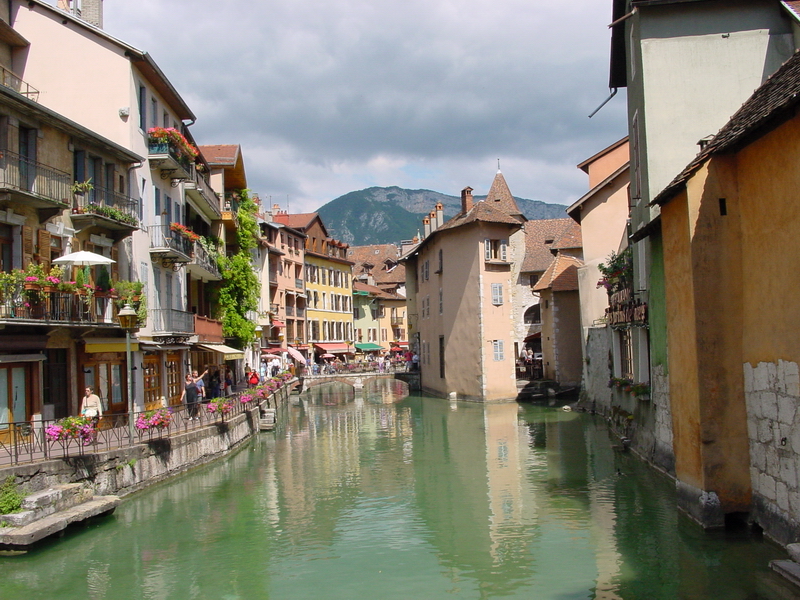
x=126, y=470
x=772, y=394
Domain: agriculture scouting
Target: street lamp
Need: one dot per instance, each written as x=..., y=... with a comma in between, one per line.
x=128, y=320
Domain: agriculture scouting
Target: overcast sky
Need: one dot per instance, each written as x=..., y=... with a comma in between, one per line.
x=330, y=97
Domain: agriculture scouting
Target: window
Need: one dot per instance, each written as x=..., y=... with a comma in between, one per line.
x=497, y=294
x=384, y=334
x=534, y=279
x=497, y=347
x=533, y=315
x=153, y=112
x=441, y=301
x=625, y=354
x=165, y=120
x=496, y=250
x=441, y=261
x=142, y=107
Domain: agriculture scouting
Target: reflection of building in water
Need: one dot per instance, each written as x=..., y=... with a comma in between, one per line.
x=322, y=457
x=507, y=454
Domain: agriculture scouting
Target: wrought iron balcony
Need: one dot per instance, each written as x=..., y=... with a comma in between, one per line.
x=105, y=208
x=203, y=265
x=38, y=306
x=168, y=158
x=12, y=81
x=207, y=200
x=169, y=246
x=170, y=320
x=35, y=184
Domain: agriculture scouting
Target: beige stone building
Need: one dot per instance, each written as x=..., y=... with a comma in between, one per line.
x=459, y=280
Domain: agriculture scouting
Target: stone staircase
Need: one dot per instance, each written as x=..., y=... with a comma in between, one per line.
x=50, y=511
x=267, y=420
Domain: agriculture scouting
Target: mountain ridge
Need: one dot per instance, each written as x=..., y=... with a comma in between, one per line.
x=383, y=215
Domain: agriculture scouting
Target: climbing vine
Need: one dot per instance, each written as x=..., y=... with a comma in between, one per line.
x=239, y=291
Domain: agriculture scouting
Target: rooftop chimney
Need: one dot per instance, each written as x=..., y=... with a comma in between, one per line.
x=434, y=222
x=439, y=214
x=466, y=199
x=426, y=225
x=90, y=11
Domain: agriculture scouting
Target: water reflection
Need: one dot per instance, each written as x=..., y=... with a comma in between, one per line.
x=374, y=494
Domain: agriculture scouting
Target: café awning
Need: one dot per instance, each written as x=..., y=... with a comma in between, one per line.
x=333, y=348
x=227, y=352
x=369, y=347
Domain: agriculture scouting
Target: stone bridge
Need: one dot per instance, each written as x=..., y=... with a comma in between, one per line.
x=357, y=380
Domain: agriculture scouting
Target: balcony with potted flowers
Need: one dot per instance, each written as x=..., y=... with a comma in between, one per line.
x=171, y=153
x=203, y=265
x=172, y=244
x=103, y=207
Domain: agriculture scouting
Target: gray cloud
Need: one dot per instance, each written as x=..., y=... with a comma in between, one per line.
x=329, y=97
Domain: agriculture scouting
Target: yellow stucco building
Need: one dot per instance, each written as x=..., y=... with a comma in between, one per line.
x=730, y=229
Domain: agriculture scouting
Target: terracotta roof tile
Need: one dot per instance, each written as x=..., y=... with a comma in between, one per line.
x=480, y=211
x=561, y=275
x=384, y=260
x=296, y=221
x=540, y=235
x=570, y=239
x=500, y=196
x=221, y=154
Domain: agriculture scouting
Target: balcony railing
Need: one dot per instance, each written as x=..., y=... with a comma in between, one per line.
x=274, y=308
x=199, y=189
x=299, y=311
x=170, y=320
x=298, y=283
x=67, y=308
x=208, y=330
x=168, y=157
x=398, y=321
x=10, y=80
x=201, y=259
x=108, y=205
x=163, y=238
x=40, y=181
x=290, y=311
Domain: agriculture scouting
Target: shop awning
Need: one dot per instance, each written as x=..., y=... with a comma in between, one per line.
x=333, y=348
x=272, y=350
x=369, y=347
x=228, y=352
x=110, y=345
x=296, y=355
x=276, y=323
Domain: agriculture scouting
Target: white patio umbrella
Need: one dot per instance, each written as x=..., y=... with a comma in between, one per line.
x=83, y=258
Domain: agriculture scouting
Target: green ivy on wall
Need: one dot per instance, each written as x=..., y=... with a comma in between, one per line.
x=239, y=289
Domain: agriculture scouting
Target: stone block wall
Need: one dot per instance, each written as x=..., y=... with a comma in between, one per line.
x=772, y=392
x=126, y=470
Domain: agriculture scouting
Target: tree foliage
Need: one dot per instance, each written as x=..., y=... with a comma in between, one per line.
x=238, y=294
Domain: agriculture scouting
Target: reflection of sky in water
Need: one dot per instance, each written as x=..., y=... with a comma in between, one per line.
x=357, y=497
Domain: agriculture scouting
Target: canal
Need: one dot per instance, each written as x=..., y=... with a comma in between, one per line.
x=397, y=497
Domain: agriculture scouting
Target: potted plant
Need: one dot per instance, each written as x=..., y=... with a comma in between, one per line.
x=79, y=188
x=53, y=279
x=34, y=276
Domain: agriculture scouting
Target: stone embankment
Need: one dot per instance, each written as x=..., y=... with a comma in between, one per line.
x=67, y=490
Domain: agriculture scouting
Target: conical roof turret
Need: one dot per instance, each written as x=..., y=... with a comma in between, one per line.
x=500, y=197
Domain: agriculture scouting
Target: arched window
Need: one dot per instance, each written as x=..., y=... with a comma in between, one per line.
x=533, y=315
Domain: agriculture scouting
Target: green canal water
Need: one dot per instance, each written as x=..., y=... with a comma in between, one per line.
x=389, y=498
